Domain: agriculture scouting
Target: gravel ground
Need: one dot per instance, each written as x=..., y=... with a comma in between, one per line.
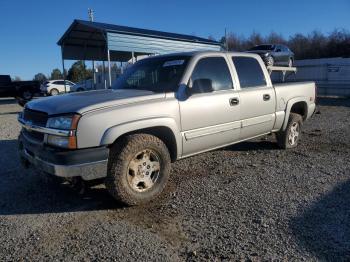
x=247, y=202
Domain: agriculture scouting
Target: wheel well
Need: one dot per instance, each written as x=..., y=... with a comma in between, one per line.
x=300, y=108
x=163, y=133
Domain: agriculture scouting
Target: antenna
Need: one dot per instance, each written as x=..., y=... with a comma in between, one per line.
x=91, y=14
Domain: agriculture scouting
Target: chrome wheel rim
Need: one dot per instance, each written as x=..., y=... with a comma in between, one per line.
x=54, y=93
x=143, y=170
x=294, y=134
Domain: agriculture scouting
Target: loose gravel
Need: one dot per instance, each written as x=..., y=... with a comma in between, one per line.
x=247, y=202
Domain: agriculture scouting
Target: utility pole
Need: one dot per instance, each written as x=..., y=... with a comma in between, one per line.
x=91, y=19
x=91, y=14
x=226, y=44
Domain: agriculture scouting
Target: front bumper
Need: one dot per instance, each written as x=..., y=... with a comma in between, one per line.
x=89, y=164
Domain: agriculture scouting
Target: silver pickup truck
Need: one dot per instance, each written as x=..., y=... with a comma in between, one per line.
x=164, y=108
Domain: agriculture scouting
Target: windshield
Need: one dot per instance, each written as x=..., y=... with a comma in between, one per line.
x=263, y=47
x=157, y=74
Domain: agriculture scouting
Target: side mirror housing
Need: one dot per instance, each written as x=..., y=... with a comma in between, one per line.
x=183, y=92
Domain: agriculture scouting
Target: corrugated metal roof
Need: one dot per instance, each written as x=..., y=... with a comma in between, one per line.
x=103, y=27
x=86, y=40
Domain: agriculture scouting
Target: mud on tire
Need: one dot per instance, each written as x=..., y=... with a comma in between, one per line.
x=138, y=169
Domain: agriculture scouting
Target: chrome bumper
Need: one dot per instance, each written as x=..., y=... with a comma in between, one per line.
x=87, y=171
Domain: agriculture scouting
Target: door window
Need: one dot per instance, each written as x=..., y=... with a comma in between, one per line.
x=249, y=72
x=211, y=74
x=58, y=83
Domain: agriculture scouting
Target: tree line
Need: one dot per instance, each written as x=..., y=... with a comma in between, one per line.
x=311, y=46
x=76, y=73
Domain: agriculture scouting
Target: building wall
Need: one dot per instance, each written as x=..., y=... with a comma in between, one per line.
x=332, y=75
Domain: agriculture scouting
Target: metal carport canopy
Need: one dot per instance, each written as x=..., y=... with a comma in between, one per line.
x=85, y=40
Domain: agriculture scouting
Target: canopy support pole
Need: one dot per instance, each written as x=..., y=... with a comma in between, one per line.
x=104, y=74
x=64, y=70
x=94, y=74
x=109, y=68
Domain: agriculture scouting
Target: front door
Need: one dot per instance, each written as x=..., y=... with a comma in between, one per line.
x=210, y=115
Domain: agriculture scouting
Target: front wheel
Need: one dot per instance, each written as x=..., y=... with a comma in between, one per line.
x=138, y=169
x=290, y=137
x=290, y=63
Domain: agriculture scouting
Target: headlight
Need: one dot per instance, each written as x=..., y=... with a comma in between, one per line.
x=266, y=54
x=68, y=122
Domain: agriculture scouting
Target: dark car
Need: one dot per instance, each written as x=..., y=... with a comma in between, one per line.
x=19, y=89
x=274, y=55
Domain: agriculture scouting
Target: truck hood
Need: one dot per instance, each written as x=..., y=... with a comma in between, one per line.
x=82, y=102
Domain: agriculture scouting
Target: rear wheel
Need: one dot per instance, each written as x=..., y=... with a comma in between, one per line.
x=290, y=137
x=27, y=95
x=270, y=61
x=138, y=169
x=54, y=92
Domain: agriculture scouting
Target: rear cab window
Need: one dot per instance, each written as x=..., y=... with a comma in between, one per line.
x=249, y=71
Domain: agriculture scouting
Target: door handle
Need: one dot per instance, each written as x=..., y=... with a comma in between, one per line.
x=234, y=101
x=266, y=97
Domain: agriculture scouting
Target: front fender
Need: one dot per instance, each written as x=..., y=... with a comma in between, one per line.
x=289, y=106
x=114, y=132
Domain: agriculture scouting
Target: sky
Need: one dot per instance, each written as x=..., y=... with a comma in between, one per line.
x=29, y=30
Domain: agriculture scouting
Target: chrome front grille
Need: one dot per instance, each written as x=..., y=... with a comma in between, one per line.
x=33, y=135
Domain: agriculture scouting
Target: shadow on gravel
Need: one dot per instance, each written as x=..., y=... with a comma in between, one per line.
x=10, y=113
x=34, y=195
x=254, y=145
x=324, y=229
x=23, y=191
x=333, y=102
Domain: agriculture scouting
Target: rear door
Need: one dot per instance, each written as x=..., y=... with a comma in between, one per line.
x=257, y=97
x=210, y=115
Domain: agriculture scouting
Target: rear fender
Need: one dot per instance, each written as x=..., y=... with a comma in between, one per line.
x=289, y=107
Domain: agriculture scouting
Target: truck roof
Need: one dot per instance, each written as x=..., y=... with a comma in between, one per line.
x=194, y=53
